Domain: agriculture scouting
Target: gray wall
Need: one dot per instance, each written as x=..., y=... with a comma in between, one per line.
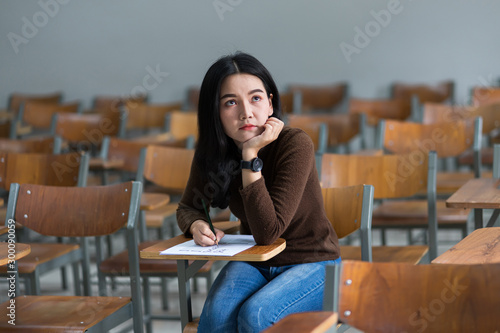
x=85, y=48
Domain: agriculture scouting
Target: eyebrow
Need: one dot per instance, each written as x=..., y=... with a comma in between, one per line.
x=249, y=93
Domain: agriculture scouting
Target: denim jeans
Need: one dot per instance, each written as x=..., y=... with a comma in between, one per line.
x=246, y=297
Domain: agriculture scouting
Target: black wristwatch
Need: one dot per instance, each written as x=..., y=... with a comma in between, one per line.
x=255, y=164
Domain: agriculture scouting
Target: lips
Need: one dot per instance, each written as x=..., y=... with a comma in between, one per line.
x=247, y=127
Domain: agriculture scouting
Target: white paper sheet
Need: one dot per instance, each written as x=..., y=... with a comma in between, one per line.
x=229, y=245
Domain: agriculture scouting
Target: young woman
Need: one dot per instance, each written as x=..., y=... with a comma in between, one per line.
x=246, y=159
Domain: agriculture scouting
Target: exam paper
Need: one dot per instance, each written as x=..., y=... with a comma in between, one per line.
x=229, y=245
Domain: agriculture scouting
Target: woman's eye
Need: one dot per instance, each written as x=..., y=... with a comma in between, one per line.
x=256, y=98
x=229, y=103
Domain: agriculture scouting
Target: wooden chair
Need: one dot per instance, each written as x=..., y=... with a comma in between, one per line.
x=343, y=130
x=317, y=130
x=377, y=109
x=85, y=132
x=37, y=116
x=394, y=177
x=449, y=140
x=193, y=95
x=485, y=95
x=142, y=118
x=49, y=170
x=103, y=103
x=490, y=113
x=46, y=145
x=182, y=125
x=168, y=168
x=290, y=102
x=349, y=209
x=397, y=297
x=17, y=99
x=319, y=98
x=418, y=94
x=82, y=212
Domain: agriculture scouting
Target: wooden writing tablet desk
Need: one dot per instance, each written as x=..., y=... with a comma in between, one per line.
x=188, y=265
x=478, y=194
x=482, y=246
x=20, y=250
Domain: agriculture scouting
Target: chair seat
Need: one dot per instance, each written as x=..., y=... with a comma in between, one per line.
x=155, y=217
x=411, y=254
x=119, y=264
x=467, y=158
x=59, y=313
x=41, y=253
x=450, y=182
x=414, y=212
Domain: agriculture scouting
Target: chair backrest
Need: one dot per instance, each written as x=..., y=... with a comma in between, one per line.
x=182, y=124
x=393, y=177
x=289, y=102
x=442, y=92
x=317, y=129
x=448, y=140
x=148, y=116
x=399, y=297
x=485, y=95
x=74, y=211
x=193, y=95
x=87, y=128
x=103, y=103
x=377, y=109
x=43, y=169
x=444, y=113
x=39, y=115
x=342, y=128
x=349, y=209
x=128, y=151
x=17, y=99
x=168, y=167
x=45, y=145
x=320, y=97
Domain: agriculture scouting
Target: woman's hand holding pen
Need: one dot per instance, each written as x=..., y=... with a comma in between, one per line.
x=202, y=234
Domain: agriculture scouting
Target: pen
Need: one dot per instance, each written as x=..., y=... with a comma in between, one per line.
x=209, y=221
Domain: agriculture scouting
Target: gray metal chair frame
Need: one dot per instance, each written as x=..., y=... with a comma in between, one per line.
x=133, y=309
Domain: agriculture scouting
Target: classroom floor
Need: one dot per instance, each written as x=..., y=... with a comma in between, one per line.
x=51, y=284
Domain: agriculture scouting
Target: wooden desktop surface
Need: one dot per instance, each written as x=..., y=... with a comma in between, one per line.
x=482, y=246
x=21, y=250
x=481, y=193
x=255, y=253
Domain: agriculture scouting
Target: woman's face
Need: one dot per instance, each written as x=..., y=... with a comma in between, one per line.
x=244, y=107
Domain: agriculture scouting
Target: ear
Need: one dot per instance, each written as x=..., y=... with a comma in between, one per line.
x=271, y=110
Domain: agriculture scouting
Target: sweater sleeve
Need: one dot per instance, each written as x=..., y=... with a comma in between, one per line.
x=271, y=207
x=190, y=207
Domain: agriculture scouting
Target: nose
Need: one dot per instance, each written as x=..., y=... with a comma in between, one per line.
x=245, y=111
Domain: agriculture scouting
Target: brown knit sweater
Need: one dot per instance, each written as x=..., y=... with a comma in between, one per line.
x=286, y=202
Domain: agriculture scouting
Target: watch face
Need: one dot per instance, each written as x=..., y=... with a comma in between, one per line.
x=257, y=164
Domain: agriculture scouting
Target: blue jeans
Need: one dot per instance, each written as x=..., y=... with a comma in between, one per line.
x=246, y=297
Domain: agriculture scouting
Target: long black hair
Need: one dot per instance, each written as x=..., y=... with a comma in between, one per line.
x=216, y=153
